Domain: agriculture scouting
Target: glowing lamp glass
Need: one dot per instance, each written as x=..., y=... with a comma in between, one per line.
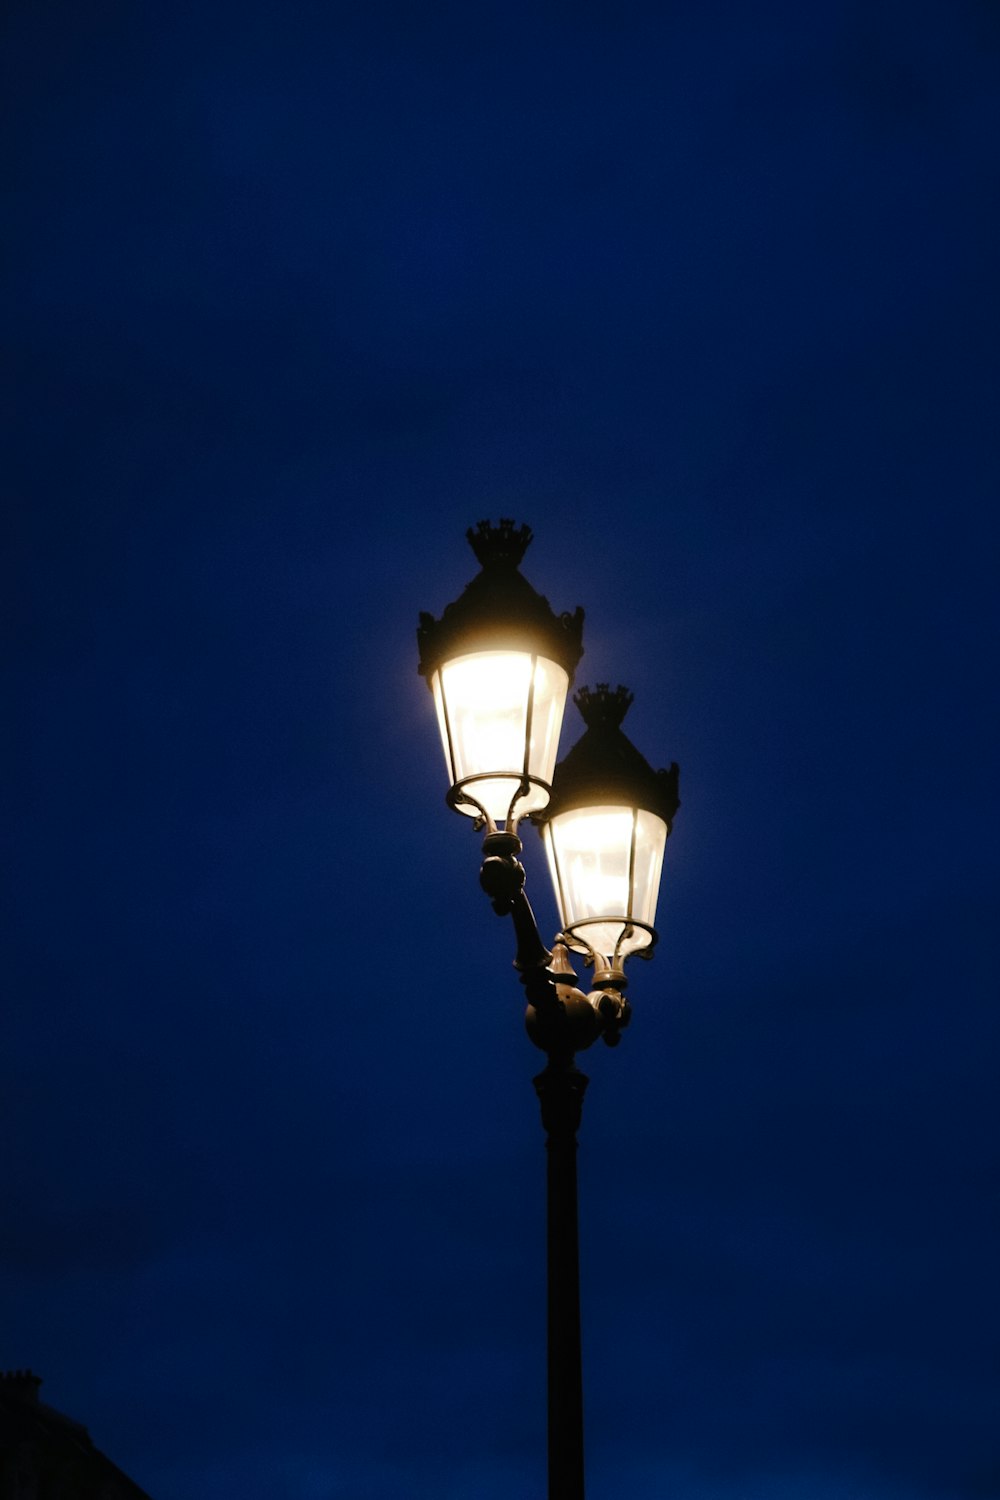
x=605, y=864
x=500, y=713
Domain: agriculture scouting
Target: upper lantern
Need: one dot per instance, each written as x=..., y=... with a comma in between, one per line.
x=605, y=831
x=500, y=662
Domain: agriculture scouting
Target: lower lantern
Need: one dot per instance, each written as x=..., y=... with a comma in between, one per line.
x=605, y=831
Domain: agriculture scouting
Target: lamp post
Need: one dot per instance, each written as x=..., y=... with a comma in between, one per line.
x=500, y=663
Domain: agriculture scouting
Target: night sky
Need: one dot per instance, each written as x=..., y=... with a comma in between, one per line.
x=708, y=296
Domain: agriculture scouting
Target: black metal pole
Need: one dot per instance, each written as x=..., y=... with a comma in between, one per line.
x=560, y=1089
x=560, y=1020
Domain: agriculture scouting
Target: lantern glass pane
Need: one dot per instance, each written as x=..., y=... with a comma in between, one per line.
x=482, y=707
x=590, y=853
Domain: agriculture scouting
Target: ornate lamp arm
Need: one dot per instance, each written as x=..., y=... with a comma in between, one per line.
x=502, y=878
x=560, y=1018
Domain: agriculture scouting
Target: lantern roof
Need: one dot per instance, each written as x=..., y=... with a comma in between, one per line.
x=499, y=609
x=604, y=767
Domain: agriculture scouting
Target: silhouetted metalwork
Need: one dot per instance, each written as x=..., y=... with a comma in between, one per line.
x=45, y=1455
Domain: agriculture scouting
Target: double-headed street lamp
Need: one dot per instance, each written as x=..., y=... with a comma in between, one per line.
x=500, y=663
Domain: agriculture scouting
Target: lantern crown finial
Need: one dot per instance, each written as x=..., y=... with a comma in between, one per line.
x=499, y=609
x=605, y=767
x=601, y=708
x=501, y=546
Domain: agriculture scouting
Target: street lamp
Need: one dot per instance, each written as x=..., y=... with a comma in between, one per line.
x=500, y=663
x=605, y=829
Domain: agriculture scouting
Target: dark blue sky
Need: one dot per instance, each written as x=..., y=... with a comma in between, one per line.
x=708, y=296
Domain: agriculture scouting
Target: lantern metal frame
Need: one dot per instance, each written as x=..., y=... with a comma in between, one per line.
x=609, y=963
x=458, y=794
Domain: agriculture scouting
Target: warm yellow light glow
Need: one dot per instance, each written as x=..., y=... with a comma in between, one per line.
x=605, y=864
x=482, y=703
